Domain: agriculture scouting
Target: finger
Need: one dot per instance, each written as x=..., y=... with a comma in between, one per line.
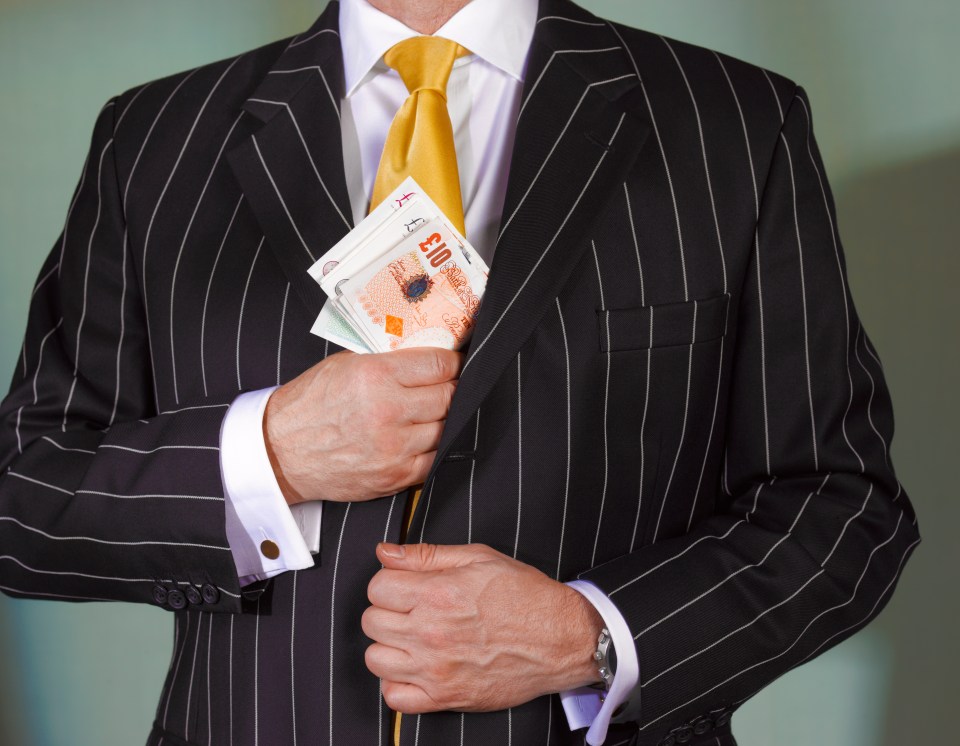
x=408, y=699
x=389, y=663
x=386, y=627
x=422, y=438
x=426, y=557
x=426, y=403
x=395, y=590
x=420, y=468
x=422, y=366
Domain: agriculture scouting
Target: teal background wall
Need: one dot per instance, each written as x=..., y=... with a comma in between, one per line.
x=882, y=76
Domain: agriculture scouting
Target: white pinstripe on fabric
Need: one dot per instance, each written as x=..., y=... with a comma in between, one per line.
x=568, y=20
x=230, y=677
x=333, y=600
x=50, y=440
x=293, y=656
x=256, y=679
x=473, y=469
x=183, y=243
x=243, y=304
x=283, y=318
x=566, y=481
x=606, y=404
x=123, y=329
x=803, y=296
x=843, y=283
x=256, y=146
x=683, y=427
x=52, y=537
x=99, y=493
x=176, y=670
x=756, y=251
x=298, y=42
x=86, y=279
x=206, y=299
x=148, y=451
x=516, y=540
x=193, y=672
x=873, y=390
x=209, y=703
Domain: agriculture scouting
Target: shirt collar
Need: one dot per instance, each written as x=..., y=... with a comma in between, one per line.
x=497, y=31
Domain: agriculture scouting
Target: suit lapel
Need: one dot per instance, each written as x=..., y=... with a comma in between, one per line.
x=291, y=168
x=577, y=137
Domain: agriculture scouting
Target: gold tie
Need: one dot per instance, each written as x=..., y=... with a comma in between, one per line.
x=420, y=140
x=420, y=144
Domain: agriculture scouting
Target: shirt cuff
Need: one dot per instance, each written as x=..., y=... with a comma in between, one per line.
x=587, y=707
x=257, y=515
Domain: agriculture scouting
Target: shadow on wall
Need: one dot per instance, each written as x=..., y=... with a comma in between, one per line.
x=901, y=229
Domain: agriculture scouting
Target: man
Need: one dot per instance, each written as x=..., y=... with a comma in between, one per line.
x=668, y=396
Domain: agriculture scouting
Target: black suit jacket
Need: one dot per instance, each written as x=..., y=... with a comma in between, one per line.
x=668, y=392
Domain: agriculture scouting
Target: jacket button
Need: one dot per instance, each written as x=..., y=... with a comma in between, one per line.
x=701, y=726
x=160, y=594
x=210, y=594
x=723, y=718
x=176, y=600
x=193, y=596
x=670, y=740
x=684, y=734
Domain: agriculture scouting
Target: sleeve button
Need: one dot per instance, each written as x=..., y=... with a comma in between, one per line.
x=723, y=718
x=684, y=734
x=193, y=596
x=176, y=600
x=701, y=726
x=160, y=595
x=210, y=594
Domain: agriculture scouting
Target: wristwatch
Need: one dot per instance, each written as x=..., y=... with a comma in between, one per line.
x=606, y=659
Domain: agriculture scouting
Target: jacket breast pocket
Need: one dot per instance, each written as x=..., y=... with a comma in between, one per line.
x=663, y=325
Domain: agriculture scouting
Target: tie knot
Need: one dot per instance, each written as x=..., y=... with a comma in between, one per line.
x=425, y=62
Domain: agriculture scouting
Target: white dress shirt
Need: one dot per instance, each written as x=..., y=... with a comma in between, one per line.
x=483, y=98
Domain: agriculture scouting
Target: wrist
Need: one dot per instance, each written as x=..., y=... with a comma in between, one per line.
x=272, y=417
x=587, y=625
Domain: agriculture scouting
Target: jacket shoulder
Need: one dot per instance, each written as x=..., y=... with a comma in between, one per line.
x=661, y=60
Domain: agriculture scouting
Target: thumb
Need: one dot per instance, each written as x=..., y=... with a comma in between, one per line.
x=426, y=557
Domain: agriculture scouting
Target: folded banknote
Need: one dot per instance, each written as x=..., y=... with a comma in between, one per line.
x=404, y=277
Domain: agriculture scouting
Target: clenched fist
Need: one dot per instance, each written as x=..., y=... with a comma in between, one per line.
x=358, y=427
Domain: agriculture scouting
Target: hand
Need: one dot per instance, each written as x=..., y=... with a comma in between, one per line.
x=357, y=427
x=467, y=628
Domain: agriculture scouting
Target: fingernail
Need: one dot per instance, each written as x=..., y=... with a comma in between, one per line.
x=394, y=551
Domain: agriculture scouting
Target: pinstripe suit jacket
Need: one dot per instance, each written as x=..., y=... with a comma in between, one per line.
x=668, y=392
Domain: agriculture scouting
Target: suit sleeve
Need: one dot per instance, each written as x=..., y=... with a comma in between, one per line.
x=812, y=528
x=102, y=497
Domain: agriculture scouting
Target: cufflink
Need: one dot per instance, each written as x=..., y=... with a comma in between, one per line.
x=269, y=549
